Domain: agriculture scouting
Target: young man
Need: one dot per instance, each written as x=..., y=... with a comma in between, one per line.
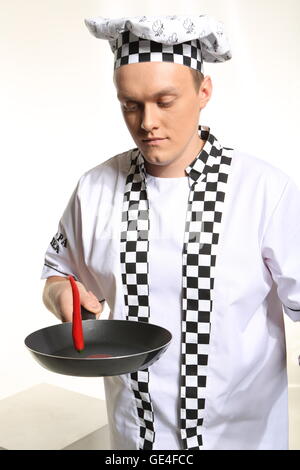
x=188, y=234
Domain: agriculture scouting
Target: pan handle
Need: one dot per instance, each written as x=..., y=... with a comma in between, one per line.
x=86, y=314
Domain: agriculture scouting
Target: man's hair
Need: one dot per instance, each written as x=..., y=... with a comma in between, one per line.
x=198, y=78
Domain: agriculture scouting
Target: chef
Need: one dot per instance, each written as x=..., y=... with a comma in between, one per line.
x=186, y=233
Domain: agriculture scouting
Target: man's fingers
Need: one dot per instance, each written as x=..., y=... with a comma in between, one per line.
x=65, y=301
x=91, y=303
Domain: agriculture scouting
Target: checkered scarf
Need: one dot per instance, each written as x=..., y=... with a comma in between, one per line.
x=208, y=175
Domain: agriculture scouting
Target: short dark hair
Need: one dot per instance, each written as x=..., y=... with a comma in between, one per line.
x=197, y=77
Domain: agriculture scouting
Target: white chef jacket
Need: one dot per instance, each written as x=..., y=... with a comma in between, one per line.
x=257, y=279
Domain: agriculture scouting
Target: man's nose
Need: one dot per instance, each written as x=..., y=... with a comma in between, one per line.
x=149, y=117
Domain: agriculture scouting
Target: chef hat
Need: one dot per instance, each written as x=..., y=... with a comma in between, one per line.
x=187, y=40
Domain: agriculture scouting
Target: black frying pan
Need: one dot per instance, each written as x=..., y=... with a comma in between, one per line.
x=132, y=346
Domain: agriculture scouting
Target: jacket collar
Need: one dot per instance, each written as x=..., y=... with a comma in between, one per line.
x=206, y=161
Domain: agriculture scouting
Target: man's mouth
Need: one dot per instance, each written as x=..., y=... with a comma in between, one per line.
x=154, y=140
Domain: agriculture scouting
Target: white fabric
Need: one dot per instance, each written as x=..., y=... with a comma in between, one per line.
x=168, y=198
x=246, y=404
x=169, y=30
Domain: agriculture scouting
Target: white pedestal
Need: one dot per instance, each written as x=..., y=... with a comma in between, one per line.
x=46, y=417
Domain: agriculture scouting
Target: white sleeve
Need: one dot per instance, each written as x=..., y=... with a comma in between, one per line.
x=281, y=249
x=65, y=253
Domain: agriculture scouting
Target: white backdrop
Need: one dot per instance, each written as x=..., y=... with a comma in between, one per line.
x=59, y=117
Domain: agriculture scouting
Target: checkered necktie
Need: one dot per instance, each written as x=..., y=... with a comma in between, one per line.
x=208, y=175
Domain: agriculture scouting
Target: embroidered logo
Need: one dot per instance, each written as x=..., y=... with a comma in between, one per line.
x=57, y=241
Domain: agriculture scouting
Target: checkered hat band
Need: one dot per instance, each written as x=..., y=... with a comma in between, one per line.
x=202, y=229
x=131, y=49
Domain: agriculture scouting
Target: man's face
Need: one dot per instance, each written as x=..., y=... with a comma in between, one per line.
x=158, y=99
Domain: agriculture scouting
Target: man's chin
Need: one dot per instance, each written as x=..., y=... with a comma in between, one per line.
x=156, y=162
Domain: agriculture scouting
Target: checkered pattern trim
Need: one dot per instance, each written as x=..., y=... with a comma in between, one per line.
x=201, y=239
x=134, y=268
x=130, y=49
x=208, y=175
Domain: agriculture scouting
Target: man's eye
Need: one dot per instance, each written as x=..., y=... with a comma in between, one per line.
x=133, y=107
x=129, y=108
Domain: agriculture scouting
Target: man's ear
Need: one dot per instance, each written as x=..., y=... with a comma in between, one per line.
x=205, y=91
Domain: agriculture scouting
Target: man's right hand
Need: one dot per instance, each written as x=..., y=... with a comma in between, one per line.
x=57, y=297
